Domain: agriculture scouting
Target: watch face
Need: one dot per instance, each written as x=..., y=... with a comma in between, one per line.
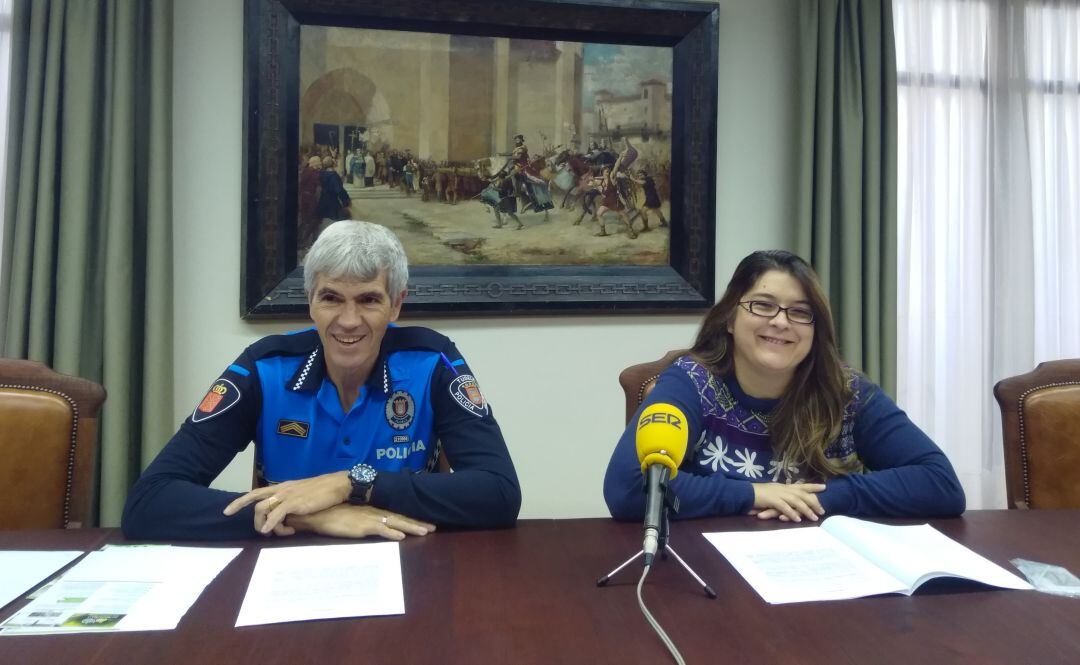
x=362, y=473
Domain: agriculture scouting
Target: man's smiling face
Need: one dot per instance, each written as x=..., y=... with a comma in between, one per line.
x=352, y=316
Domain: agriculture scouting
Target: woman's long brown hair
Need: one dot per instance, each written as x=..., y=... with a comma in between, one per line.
x=811, y=409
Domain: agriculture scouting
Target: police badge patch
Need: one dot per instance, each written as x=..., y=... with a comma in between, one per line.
x=400, y=409
x=221, y=397
x=466, y=392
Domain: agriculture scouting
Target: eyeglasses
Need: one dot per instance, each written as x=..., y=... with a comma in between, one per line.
x=768, y=310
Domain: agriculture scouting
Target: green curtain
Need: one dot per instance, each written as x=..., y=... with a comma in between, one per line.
x=87, y=266
x=847, y=173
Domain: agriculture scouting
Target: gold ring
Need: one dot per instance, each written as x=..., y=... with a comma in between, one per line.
x=272, y=502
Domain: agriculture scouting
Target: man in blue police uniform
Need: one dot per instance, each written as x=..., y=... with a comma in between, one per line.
x=351, y=420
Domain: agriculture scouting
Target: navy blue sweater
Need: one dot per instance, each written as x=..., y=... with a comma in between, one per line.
x=902, y=472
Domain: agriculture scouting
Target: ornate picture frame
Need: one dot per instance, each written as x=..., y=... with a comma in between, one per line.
x=272, y=280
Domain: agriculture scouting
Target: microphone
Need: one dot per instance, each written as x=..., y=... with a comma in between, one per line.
x=661, y=444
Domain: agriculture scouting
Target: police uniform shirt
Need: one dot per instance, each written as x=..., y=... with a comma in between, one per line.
x=420, y=402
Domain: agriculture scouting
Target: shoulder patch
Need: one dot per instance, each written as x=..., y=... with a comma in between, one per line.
x=221, y=397
x=466, y=392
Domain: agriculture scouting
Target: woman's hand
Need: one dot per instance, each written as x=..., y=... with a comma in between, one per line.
x=788, y=502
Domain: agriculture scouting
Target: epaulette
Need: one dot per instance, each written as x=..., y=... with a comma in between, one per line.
x=414, y=337
x=296, y=343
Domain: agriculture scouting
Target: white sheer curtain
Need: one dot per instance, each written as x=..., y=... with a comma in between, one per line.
x=989, y=221
x=1052, y=35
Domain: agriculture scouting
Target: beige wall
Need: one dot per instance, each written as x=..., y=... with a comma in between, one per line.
x=551, y=380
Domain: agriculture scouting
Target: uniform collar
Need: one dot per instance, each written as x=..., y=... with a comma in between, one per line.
x=312, y=372
x=379, y=379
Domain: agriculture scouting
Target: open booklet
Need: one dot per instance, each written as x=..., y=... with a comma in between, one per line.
x=850, y=558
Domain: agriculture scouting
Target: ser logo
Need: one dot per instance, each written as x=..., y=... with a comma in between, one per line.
x=660, y=417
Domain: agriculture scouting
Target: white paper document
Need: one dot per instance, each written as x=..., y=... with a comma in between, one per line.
x=850, y=558
x=121, y=588
x=22, y=570
x=323, y=582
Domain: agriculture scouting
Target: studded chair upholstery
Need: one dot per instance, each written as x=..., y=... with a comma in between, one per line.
x=637, y=381
x=1040, y=418
x=48, y=438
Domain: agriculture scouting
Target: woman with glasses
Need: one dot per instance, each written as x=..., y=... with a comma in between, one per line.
x=778, y=425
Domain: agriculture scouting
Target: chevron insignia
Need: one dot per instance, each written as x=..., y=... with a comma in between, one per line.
x=297, y=428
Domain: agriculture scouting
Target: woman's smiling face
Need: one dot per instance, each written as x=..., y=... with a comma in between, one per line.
x=768, y=349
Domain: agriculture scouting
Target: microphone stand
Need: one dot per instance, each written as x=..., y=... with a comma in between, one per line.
x=671, y=502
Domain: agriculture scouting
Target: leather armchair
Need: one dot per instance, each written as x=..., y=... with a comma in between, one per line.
x=48, y=438
x=1040, y=418
x=637, y=381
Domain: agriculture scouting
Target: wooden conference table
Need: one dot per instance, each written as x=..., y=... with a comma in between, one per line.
x=528, y=595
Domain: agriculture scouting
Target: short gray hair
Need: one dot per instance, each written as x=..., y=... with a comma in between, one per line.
x=357, y=250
